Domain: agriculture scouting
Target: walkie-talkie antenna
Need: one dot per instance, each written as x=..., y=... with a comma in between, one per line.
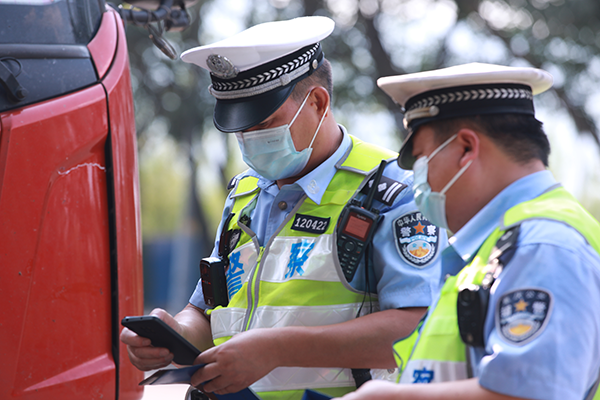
x=371, y=195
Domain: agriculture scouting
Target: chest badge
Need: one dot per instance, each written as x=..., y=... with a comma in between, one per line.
x=234, y=238
x=417, y=239
x=310, y=224
x=522, y=315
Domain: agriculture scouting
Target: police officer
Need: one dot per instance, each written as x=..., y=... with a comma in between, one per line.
x=518, y=314
x=303, y=308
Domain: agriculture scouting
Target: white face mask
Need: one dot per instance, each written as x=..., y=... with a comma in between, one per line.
x=271, y=152
x=432, y=204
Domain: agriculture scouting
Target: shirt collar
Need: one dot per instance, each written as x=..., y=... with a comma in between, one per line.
x=469, y=238
x=316, y=181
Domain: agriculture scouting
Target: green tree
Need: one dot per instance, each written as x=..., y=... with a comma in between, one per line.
x=375, y=38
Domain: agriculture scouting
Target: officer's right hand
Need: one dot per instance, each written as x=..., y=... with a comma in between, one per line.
x=141, y=353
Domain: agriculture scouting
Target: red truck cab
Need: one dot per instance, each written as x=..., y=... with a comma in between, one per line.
x=70, y=237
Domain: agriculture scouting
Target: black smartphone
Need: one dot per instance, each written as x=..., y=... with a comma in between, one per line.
x=162, y=335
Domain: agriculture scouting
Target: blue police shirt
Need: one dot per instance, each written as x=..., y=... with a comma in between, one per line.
x=554, y=276
x=401, y=279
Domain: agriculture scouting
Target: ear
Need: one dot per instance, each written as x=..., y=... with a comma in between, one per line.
x=319, y=99
x=469, y=140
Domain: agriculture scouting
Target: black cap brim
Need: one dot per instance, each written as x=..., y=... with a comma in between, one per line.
x=241, y=114
x=405, y=157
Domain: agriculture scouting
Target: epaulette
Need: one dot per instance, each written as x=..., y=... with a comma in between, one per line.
x=387, y=190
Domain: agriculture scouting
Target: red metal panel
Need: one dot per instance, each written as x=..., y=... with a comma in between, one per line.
x=55, y=339
x=55, y=265
x=126, y=186
x=102, y=47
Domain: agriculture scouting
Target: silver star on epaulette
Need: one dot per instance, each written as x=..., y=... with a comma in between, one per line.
x=221, y=66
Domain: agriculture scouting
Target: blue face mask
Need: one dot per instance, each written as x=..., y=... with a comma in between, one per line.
x=271, y=152
x=432, y=204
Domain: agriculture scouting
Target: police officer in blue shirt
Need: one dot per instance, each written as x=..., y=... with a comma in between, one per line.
x=302, y=307
x=517, y=316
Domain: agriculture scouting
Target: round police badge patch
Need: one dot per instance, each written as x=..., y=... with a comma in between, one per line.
x=523, y=314
x=417, y=239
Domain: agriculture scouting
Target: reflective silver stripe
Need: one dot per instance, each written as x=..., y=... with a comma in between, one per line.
x=318, y=267
x=293, y=378
x=390, y=375
x=253, y=292
x=229, y=321
x=443, y=371
x=226, y=321
x=274, y=316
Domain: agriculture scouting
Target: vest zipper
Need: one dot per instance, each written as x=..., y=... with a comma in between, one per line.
x=258, y=250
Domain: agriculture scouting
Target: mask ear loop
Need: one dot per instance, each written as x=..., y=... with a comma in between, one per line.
x=441, y=147
x=428, y=158
x=458, y=175
x=300, y=109
x=318, y=127
x=240, y=134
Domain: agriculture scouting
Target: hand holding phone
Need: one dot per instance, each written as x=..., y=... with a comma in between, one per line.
x=162, y=335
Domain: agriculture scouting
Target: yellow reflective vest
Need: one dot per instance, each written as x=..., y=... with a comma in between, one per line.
x=295, y=279
x=438, y=353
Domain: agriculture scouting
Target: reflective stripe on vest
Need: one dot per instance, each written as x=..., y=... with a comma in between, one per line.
x=296, y=280
x=439, y=353
x=437, y=356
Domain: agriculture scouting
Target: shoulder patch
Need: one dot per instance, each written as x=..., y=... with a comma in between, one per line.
x=387, y=190
x=417, y=239
x=521, y=315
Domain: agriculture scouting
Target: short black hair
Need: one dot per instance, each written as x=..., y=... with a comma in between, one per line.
x=322, y=76
x=520, y=136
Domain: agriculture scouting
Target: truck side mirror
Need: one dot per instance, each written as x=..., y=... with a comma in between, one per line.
x=158, y=16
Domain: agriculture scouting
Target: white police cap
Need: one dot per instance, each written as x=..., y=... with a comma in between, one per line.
x=255, y=71
x=461, y=91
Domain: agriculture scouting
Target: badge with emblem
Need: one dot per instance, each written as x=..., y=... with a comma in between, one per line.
x=221, y=66
x=417, y=239
x=522, y=315
x=234, y=238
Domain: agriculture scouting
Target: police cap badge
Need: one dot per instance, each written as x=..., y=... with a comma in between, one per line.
x=254, y=72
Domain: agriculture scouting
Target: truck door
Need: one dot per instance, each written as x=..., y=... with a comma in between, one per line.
x=70, y=241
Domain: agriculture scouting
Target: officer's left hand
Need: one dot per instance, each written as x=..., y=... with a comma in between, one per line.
x=239, y=362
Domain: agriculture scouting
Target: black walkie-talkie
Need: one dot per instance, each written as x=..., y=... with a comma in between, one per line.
x=358, y=224
x=473, y=300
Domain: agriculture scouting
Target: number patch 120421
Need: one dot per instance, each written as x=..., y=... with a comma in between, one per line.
x=310, y=223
